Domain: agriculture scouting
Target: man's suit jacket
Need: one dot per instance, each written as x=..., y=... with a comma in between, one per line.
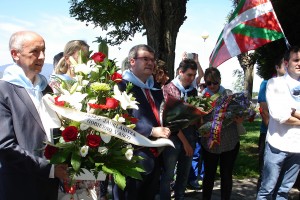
x=147, y=188
x=24, y=172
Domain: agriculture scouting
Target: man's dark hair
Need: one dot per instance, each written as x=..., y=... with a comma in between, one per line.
x=134, y=50
x=57, y=58
x=288, y=52
x=187, y=64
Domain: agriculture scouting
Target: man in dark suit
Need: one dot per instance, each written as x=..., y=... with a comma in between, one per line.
x=149, y=95
x=25, y=124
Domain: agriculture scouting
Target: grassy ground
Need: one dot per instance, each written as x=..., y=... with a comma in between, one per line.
x=246, y=165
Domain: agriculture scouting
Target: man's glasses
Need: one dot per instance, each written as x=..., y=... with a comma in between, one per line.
x=209, y=83
x=146, y=59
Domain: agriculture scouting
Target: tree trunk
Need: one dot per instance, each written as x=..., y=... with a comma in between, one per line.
x=162, y=20
x=247, y=61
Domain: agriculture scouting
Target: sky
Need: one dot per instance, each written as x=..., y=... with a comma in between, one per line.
x=51, y=19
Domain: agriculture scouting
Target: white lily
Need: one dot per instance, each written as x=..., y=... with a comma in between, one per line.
x=126, y=101
x=117, y=118
x=84, y=150
x=102, y=150
x=129, y=154
x=73, y=99
x=105, y=137
x=132, y=126
x=85, y=82
x=82, y=68
x=89, y=109
x=84, y=126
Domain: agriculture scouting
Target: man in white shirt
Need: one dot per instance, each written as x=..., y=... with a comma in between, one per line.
x=282, y=151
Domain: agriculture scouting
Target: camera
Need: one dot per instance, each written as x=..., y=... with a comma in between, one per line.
x=190, y=55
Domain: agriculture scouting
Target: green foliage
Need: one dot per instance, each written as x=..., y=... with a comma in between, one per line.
x=246, y=165
x=120, y=15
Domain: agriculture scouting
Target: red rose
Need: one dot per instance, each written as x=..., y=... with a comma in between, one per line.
x=50, y=151
x=125, y=115
x=97, y=106
x=213, y=104
x=206, y=94
x=93, y=141
x=98, y=57
x=58, y=103
x=111, y=103
x=70, y=133
x=131, y=119
x=116, y=77
x=70, y=189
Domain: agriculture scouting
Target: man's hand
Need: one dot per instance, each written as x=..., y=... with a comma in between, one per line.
x=162, y=132
x=61, y=171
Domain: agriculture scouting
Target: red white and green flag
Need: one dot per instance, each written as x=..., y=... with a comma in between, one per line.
x=252, y=24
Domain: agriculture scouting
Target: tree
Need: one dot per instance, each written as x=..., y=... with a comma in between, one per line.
x=238, y=85
x=159, y=19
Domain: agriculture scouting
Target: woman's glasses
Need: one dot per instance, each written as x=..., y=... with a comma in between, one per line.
x=209, y=83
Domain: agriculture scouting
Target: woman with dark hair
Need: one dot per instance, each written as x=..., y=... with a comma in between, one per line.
x=224, y=153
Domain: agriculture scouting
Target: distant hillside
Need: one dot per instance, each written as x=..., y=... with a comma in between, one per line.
x=46, y=71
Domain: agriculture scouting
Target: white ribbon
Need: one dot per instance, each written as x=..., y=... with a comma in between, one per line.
x=106, y=125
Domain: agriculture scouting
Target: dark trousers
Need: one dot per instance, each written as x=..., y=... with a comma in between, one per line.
x=261, y=150
x=211, y=161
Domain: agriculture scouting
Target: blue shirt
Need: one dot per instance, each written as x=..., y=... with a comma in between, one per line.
x=262, y=98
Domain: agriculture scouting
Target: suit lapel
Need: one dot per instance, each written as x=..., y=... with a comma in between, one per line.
x=22, y=93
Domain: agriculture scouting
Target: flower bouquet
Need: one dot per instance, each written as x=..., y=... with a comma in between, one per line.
x=97, y=131
x=227, y=107
x=177, y=114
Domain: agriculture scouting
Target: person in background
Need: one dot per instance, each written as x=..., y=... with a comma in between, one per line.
x=200, y=72
x=201, y=85
x=184, y=140
x=149, y=95
x=64, y=68
x=263, y=107
x=26, y=124
x=160, y=73
x=65, y=71
x=282, y=151
x=57, y=58
x=223, y=154
x=197, y=168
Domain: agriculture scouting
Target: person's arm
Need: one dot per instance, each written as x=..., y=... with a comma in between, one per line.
x=186, y=145
x=264, y=112
x=199, y=69
x=295, y=118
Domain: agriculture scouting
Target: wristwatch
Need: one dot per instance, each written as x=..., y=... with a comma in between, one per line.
x=293, y=111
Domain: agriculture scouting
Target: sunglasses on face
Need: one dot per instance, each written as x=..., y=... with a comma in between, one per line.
x=209, y=83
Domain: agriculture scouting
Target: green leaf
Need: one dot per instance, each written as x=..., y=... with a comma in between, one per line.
x=60, y=157
x=73, y=88
x=119, y=180
x=76, y=161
